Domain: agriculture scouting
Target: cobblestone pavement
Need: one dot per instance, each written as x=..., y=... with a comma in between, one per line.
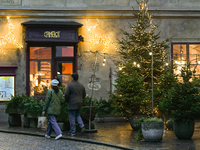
x=113, y=135
x=25, y=142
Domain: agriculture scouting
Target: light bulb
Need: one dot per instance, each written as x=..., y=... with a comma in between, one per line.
x=150, y=53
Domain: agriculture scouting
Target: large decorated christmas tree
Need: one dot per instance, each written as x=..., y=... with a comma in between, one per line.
x=143, y=52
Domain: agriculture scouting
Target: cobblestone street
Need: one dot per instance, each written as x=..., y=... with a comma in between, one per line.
x=24, y=142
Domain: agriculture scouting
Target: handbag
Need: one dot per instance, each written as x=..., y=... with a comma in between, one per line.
x=42, y=122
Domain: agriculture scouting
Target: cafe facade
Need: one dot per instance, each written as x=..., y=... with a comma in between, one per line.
x=43, y=40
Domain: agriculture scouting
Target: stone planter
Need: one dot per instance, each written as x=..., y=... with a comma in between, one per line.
x=134, y=121
x=14, y=117
x=33, y=118
x=183, y=129
x=85, y=113
x=152, y=131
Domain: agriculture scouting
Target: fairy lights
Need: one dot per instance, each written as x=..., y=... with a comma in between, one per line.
x=9, y=38
x=96, y=39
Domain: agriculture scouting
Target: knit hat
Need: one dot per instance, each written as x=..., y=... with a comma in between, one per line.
x=54, y=82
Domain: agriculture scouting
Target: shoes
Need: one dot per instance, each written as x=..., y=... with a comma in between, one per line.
x=59, y=136
x=48, y=137
x=83, y=129
x=71, y=134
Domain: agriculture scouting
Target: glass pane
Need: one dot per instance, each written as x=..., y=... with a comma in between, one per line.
x=6, y=87
x=179, y=54
x=40, y=52
x=64, y=71
x=40, y=70
x=64, y=51
x=194, y=53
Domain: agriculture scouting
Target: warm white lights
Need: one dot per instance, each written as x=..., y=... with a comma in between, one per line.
x=96, y=39
x=9, y=38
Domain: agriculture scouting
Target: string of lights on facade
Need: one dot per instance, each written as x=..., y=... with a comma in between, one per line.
x=9, y=38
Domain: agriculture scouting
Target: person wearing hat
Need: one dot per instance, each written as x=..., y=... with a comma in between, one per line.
x=74, y=95
x=52, y=106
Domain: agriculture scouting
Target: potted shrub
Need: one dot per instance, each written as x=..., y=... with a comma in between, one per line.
x=32, y=110
x=130, y=98
x=166, y=82
x=103, y=109
x=85, y=110
x=15, y=109
x=182, y=102
x=150, y=129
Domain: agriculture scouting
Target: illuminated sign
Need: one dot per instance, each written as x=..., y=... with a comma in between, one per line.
x=52, y=34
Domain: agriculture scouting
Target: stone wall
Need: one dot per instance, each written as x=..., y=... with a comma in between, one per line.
x=113, y=15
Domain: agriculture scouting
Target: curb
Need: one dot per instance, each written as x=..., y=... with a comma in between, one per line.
x=78, y=140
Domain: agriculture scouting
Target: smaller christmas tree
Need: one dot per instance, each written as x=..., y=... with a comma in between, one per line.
x=135, y=52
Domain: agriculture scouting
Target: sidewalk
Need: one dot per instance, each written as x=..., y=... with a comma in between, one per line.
x=119, y=134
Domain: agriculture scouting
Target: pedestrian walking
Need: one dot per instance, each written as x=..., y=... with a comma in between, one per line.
x=52, y=106
x=74, y=95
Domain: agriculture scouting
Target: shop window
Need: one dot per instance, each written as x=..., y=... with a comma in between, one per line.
x=183, y=54
x=40, y=70
x=47, y=63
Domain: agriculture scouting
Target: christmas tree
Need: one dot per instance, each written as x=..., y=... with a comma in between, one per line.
x=141, y=51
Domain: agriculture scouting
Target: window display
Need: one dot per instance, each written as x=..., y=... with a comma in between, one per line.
x=6, y=87
x=40, y=70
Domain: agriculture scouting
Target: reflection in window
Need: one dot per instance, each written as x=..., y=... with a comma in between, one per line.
x=40, y=70
x=64, y=51
x=64, y=71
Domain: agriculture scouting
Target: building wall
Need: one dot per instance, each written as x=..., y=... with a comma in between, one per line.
x=179, y=19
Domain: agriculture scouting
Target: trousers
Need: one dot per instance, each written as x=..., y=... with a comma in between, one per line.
x=74, y=115
x=52, y=124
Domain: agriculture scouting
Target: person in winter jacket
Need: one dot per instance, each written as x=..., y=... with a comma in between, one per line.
x=52, y=106
x=74, y=95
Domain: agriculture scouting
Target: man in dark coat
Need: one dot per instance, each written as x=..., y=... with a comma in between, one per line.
x=74, y=95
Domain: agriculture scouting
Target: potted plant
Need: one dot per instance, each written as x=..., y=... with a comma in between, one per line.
x=15, y=109
x=166, y=82
x=150, y=129
x=85, y=110
x=182, y=102
x=130, y=98
x=32, y=110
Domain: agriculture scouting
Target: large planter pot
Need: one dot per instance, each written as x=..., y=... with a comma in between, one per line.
x=184, y=129
x=14, y=117
x=168, y=124
x=85, y=113
x=134, y=121
x=152, y=131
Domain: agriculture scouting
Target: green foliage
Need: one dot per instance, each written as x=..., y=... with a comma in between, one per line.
x=182, y=101
x=25, y=103
x=16, y=101
x=103, y=107
x=136, y=64
x=63, y=117
x=32, y=104
x=166, y=82
x=130, y=96
x=87, y=101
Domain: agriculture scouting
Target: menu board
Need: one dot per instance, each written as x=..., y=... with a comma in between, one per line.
x=6, y=87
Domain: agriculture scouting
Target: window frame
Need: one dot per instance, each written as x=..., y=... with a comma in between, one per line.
x=54, y=60
x=187, y=51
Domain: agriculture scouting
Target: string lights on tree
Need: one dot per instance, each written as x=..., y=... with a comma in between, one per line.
x=9, y=38
x=138, y=50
